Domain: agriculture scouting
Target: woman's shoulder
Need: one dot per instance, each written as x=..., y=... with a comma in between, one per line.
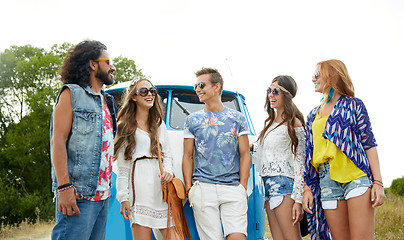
x=297, y=123
x=351, y=102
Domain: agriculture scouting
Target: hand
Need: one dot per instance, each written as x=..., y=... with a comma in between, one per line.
x=297, y=213
x=166, y=177
x=67, y=203
x=377, y=195
x=125, y=210
x=245, y=186
x=308, y=201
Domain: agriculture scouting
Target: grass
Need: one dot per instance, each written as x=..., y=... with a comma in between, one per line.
x=26, y=231
x=389, y=220
x=389, y=224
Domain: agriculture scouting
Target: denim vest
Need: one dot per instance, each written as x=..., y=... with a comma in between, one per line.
x=84, y=143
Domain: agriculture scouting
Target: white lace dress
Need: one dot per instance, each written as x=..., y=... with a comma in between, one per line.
x=274, y=157
x=149, y=209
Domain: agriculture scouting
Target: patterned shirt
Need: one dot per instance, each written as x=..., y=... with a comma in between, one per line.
x=104, y=178
x=217, y=157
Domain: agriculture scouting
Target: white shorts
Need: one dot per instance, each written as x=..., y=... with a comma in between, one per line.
x=216, y=206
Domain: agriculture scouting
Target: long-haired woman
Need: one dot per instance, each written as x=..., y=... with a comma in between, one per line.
x=342, y=170
x=140, y=129
x=280, y=156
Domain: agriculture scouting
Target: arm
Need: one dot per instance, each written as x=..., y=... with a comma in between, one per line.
x=122, y=182
x=377, y=194
x=298, y=183
x=307, y=199
x=298, y=167
x=188, y=162
x=245, y=160
x=168, y=172
x=62, y=124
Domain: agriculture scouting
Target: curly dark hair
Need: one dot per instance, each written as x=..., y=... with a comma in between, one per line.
x=76, y=68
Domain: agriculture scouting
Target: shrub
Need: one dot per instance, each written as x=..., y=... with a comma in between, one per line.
x=397, y=186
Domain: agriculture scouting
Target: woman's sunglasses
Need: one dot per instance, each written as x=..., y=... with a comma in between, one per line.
x=316, y=75
x=144, y=91
x=274, y=91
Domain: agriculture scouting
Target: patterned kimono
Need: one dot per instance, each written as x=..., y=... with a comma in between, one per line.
x=349, y=128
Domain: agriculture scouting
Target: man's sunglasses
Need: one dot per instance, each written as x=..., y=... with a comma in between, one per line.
x=316, y=75
x=274, y=91
x=104, y=59
x=144, y=91
x=201, y=85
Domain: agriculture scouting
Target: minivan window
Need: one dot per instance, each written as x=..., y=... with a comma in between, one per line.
x=184, y=102
x=118, y=98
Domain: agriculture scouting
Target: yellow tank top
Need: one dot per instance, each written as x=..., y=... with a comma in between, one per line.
x=342, y=169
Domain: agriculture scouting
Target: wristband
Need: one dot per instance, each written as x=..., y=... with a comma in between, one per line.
x=378, y=183
x=65, y=185
x=65, y=188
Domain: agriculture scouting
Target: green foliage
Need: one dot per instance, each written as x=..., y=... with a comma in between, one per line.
x=397, y=186
x=28, y=88
x=126, y=69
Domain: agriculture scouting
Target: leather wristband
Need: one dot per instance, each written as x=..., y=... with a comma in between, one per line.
x=64, y=185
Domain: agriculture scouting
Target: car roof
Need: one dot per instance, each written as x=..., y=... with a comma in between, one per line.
x=119, y=87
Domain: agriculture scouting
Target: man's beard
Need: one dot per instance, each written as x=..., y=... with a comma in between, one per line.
x=104, y=77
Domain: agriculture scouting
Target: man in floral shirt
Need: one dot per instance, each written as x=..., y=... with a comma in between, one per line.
x=82, y=132
x=216, y=178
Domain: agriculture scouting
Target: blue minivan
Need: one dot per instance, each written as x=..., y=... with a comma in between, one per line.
x=178, y=101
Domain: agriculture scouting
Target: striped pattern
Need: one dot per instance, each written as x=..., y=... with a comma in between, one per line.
x=349, y=128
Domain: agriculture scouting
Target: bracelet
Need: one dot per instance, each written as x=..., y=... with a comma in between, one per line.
x=306, y=188
x=65, y=188
x=377, y=183
x=65, y=185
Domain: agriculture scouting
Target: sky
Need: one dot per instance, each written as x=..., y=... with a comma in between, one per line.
x=249, y=42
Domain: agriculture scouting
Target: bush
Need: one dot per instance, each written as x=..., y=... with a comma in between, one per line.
x=397, y=186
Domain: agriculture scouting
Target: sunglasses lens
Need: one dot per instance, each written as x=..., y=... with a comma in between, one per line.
x=274, y=91
x=153, y=91
x=201, y=85
x=143, y=92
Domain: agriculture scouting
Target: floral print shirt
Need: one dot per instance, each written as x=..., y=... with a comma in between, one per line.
x=104, y=177
x=217, y=157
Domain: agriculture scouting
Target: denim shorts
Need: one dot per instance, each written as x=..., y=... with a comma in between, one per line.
x=332, y=190
x=277, y=186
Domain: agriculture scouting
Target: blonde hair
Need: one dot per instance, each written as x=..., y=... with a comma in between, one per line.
x=335, y=75
x=127, y=124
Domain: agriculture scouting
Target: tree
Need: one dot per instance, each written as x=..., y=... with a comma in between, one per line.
x=28, y=88
x=397, y=186
x=126, y=70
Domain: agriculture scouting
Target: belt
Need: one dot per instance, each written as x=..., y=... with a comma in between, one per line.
x=144, y=157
